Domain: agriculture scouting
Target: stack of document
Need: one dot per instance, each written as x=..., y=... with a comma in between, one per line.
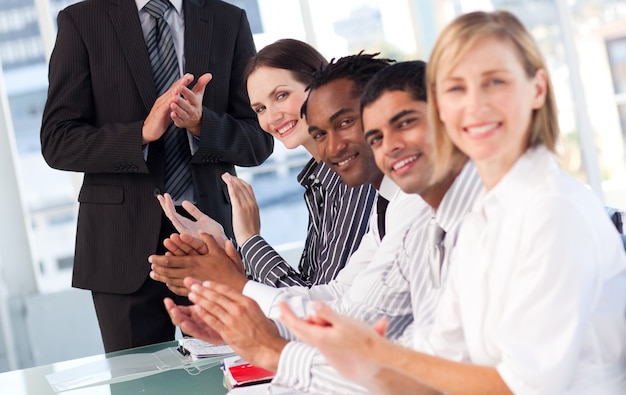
x=199, y=349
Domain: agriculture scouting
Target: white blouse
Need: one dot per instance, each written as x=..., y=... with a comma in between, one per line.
x=537, y=286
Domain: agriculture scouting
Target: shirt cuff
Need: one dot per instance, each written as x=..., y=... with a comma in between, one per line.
x=194, y=142
x=294, y=366
x=263, y=295
x=250, y=240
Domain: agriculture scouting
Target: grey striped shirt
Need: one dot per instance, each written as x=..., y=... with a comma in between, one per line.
x=338, y=219
x=405, y=294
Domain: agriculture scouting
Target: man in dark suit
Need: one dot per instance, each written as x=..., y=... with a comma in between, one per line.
x=103, y=118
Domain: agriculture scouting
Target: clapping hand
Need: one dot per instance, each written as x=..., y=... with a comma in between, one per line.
x=203, y=223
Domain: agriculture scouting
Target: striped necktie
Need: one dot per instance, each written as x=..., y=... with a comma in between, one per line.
x=165, y=71
x=436, y=251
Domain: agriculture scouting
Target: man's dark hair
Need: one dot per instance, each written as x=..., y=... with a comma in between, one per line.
x=359, y=69
x=408, y=77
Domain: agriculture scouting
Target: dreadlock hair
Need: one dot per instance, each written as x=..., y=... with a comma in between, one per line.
x=409, y=77
x=359, y=69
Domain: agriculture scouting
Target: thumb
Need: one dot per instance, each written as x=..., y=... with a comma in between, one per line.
x=209, y=240
x=381, y=326
x=234, y=256
x=324, y=313
x=193, y=210
x=203, y=81
x=231, y=251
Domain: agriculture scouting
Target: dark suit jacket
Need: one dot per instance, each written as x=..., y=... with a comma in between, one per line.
x=101, y=89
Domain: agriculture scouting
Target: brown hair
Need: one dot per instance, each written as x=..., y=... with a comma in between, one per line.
x=455, y=42
x=298, y=57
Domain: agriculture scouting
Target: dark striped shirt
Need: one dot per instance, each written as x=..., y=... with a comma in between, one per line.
x=338, y=219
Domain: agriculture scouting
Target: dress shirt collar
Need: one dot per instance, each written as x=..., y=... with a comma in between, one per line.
x=316, y=173
x=510, y=189
x=388, y=189
x=177, y=4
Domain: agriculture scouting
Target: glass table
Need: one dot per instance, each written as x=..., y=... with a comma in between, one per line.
x=32, y=381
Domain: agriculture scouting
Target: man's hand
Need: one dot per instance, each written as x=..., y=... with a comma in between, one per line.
x=190, y=323
x=246, y=218
x=186, y=106
x=217, y=264
x=347, y=344
x=159, y=118
x=184, y=244
x=202, y=223
x=239, y=321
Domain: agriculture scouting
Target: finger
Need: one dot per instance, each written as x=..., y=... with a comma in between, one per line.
x=202, y=83
x=190, y=328
x=211, y=311
x=179, y=109
x=171, y=214
x=161, y=260
x=166, y=205
x=185, y=80
x=243, y=186
x=161, y=200
x=215, y=247
x=237, y=187
x=240, y=199
x=300, y=328
x=189, y=281
x=315, y=320
x=381, y=326
x=325, y=313
x=194, y=243
x=169, y=304
x=245, y=195
x=173, y=248
x=180, y=245
x=210, y=242
x=223, y=290
x=218, y=299
x=233, y=254
x=160, y=274
x=193, y=210
x=176, y=316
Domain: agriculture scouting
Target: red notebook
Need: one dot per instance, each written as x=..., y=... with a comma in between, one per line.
x=239, y=372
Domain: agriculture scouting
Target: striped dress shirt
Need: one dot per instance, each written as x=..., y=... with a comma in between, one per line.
x=338, y=219
x=404, y=293
x=399, y=216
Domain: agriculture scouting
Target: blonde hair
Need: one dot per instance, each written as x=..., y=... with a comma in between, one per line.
x=454, y=43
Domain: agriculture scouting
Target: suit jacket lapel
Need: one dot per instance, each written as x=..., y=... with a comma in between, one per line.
x=125, y=19
x=198, y=36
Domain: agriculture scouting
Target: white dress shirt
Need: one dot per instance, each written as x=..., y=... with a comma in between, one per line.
x=401, y=289
x=398, y=218
x=537, y=286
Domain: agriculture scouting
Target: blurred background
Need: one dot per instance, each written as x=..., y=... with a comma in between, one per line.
x=43, y=320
